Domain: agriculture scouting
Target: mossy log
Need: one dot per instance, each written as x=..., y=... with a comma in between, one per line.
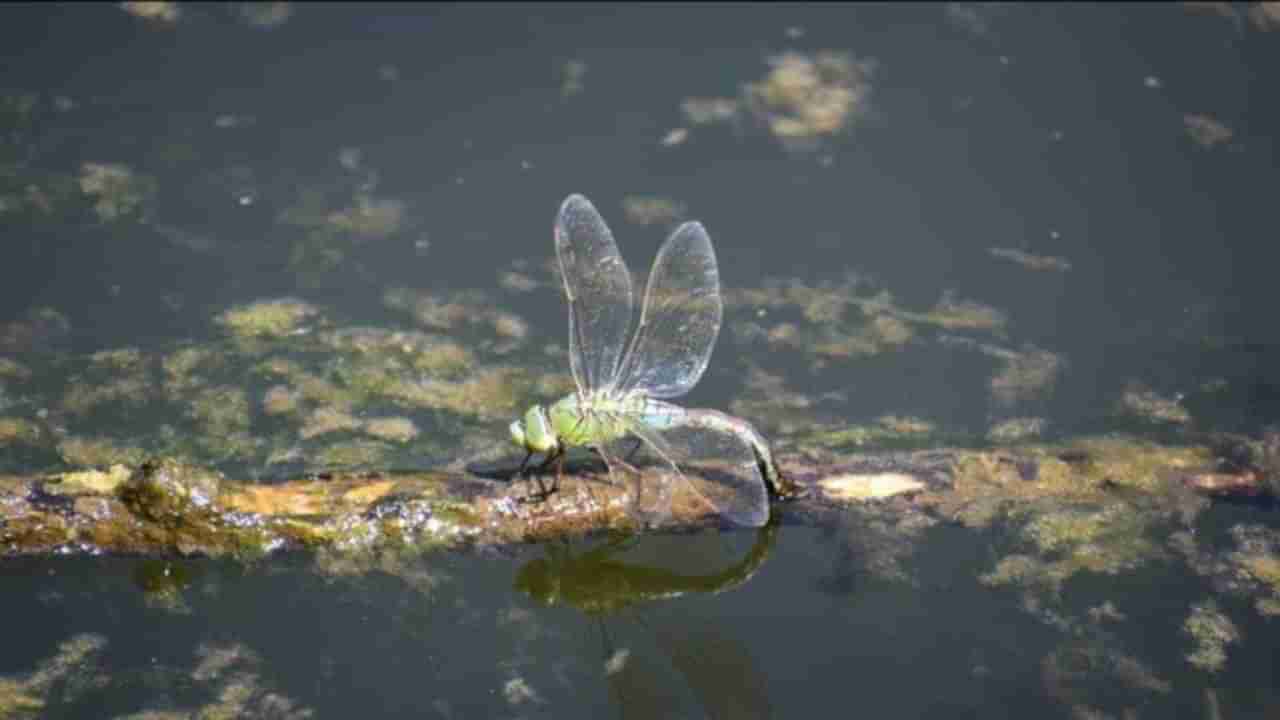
x=163, y=507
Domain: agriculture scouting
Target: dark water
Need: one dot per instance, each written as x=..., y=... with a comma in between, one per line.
x=1060, y=131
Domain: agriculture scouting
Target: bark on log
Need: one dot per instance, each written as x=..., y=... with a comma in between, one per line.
x=166, y=508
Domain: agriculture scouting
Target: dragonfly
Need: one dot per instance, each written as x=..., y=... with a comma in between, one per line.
x=621, y=397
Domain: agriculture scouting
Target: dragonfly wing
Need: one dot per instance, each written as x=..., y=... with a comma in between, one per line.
x=597, y=285
x=649, y=496
x=680, y=318
x=711, y=454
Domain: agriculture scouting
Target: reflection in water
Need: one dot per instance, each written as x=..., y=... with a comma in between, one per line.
x=163, y=583
x=715, y=667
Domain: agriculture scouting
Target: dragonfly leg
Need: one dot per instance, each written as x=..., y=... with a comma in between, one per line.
x=555, y=456
x=608, y=466
x=625, y=462
x=536, y=495
x=524, y=466
x=555, y=487
x=635, y=449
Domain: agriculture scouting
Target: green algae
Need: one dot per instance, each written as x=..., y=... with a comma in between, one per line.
x=1017, y=429
x=99, y=482
x=158, y=11
x=1102, y=510
x=1146, y=404
x=956, y=314
x=1108, y=540
x=20, y=431
x=394, y=429
x=39, y=327
x=281, y=400
x=404, y=368
x=230, y=676
x=181, y=368
x=353, y=454
x=266, y=318
x=495, y=330
x=369, y=218
x=768, y=399
x=181, y=505
x=116, y=381
x=853, y=319
x=222, y=415
x=490, y=393
x=651, y=209
x=14, y=370
x=1212, y=632
x=1031, y=261
x=886, y=431
x=363, y=216
x=65, y=673
x=118, y=192
x=334, y=217
x=1026, y=375
x=988, y=484
x=308, y=386
x=1127, y=461
x=119, y=359
x=221, y=410
x=163, y=584
x=82, y=397
x=98, y=452
x=401, y=350
x=709, y=110
x=170, y=493
x=571, y=78
x=1065, y=541
x=16, y=701
x=1252, y=568
x=517, y=281
x=1090, y=671
x=266, y=14
x=324, y=420
x=805, y=98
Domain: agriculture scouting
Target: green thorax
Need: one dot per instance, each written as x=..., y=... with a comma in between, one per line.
x=593, y=420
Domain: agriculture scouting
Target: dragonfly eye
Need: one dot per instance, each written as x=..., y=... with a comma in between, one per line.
x=535, y=432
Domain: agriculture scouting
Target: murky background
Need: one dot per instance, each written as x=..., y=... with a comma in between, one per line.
x=275, y=238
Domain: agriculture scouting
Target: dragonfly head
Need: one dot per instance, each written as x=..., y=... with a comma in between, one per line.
x=533, y=432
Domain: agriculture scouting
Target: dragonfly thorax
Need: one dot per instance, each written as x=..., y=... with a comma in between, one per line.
x=593, y=420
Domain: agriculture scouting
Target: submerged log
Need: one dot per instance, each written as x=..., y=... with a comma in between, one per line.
x=163, y=507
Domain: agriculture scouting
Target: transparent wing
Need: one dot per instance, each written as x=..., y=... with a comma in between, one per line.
x=712, y=452
x=598, y=288
x=648, y=496
x=680, y=318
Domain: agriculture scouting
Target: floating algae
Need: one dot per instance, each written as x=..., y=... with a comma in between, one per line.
x=98, y=452
x=118, y=192
x=1212, y=632
x=161, y=11
x=395, y=429
x=20, y=431
x=266, y=318
x=66, y=675
x=804, y=98
x=1030, y=261
x=1146, y=404
x=651, y=210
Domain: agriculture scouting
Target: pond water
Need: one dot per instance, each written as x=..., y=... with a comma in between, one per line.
x=274, y=238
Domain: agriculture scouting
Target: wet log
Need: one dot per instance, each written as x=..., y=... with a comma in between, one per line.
x=165, y=508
